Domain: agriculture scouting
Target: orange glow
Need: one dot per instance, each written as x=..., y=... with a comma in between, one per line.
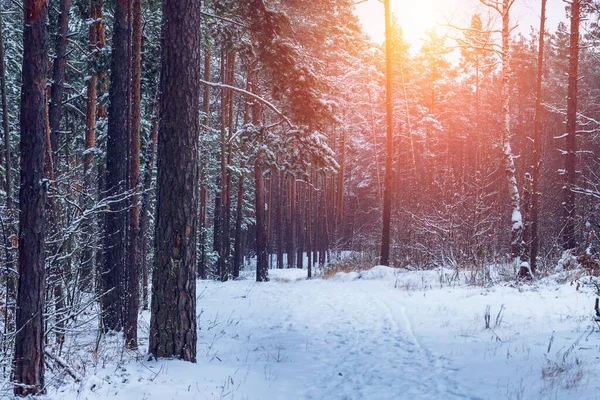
x=415, y=17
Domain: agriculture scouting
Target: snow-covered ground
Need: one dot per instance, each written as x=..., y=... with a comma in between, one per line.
x=381, y=334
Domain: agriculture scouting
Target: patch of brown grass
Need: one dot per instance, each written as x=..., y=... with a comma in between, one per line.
x=353, y=263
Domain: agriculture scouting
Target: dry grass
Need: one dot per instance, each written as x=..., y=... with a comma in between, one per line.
x=352, y=263
x=564, y=373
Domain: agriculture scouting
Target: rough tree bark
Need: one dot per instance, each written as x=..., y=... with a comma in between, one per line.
x=238, y=256
x=53, y=221
x=570, y=176
x=10, y=264
x=387, y=194
x=58, y=77
x=291, y=222
x=309, y=238
x=317, y=217
x=173, y=318
x=116, y=173
x=537, y=145
x=231, y=61
x=29, y=346
x=300, y=226
x=238, y=247
x=5, y=128
x=227, y=74
x=341, y=181
x=146, y=196
x=132, y=301
x=92, y=96
x=262, y=263
x=279, y=220
x=203, y=192
x=96, y=43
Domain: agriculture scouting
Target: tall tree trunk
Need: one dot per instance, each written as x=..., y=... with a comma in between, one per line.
x=173, y=318
x=29, y=346
x=5, y=128
x=509, y=158
x=203, y=191
x=223, y=220
x=279, y=221
x=8, y=223
x=269, y=222
x=231, y=60
x=569, y=238
x=384, y=258
x=238, y=253
x=133, y=269
x=217, y=226
x=300, y=226
x=92, y=95
x=319, y=245
x=58, y=77
x=96, y=43
x=341, y=182
x=116, y=173
x=238, y=256
x=324, y=232
x=317, y=218
x=262, y=262
x=309, y=239
x=146, y=196
x=537, y=145
x=53, y=222
x=291, y=222
x=227, y=76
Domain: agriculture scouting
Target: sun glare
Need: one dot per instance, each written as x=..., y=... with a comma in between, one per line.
x=415, y=17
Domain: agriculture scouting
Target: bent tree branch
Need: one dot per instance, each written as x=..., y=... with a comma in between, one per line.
x=251, y=95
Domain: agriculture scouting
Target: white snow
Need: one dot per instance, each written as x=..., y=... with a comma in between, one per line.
x=378, y=334
x=517, y=219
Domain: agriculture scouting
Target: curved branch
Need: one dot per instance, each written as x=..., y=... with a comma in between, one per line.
x=251, y=95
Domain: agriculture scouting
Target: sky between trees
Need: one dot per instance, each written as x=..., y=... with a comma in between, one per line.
x=416, y=16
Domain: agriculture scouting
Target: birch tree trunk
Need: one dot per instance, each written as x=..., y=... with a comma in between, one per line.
x=509, y=158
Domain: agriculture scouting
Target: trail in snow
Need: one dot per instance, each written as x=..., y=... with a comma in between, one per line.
x=357, y=342
x=356, y=339
x=371, y=350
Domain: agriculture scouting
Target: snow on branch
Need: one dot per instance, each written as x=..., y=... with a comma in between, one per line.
x=251, y=95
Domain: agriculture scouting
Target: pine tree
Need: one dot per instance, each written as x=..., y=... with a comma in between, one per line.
x=29, y=340
x=537, y=149
x=132, y=301
x=58, y=78
x=570, y=173
x=113, y=274
x=173, y=318
x=384, y=258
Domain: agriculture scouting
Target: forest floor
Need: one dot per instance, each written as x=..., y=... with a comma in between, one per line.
x=381, y=334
